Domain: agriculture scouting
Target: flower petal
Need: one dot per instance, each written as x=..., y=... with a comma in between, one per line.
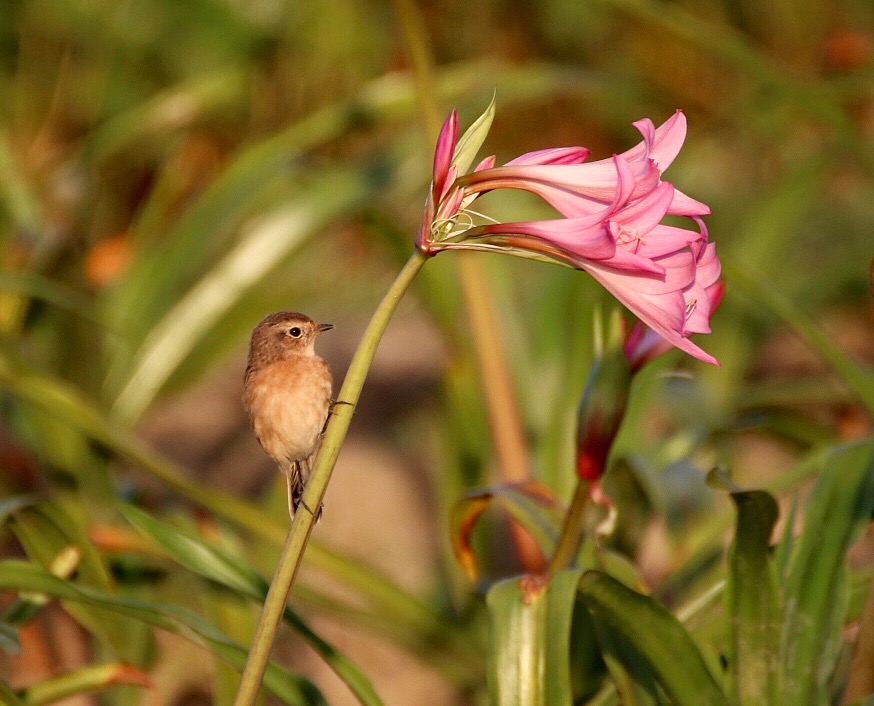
x=555, y=155
x=644, y=214
x=661, y=144
x=574, y=190
x=487, y=163
x=699, y=303
x=662, y=240
x=683, y=205
x=578, y=236
x=664, y=314
x=443, y=154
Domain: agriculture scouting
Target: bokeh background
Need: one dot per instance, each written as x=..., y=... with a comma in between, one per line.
x=171, y=172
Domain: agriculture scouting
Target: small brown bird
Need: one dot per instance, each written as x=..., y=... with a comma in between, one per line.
x=287, y=393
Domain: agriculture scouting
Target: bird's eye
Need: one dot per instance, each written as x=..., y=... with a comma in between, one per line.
x=294, y=332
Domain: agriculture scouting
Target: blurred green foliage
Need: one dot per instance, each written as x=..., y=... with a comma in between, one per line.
x=169, y=172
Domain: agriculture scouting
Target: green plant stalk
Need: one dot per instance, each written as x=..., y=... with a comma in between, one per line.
x=83, y=681
x=568, y=545
x=505, y=420
x=858, y=378
x=861, y=679
x=60, y=399
x=302, y=525
x=502, y=407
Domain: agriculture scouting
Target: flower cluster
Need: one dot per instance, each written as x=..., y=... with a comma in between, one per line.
x=610, y=226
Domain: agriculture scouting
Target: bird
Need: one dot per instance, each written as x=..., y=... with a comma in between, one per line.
x=287, y=395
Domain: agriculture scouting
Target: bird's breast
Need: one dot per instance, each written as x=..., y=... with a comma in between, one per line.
x=288, y=402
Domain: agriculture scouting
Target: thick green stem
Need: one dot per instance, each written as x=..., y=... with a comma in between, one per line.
x=861, y=678
x=499, y=395
x=301, y=527
x=568, y=545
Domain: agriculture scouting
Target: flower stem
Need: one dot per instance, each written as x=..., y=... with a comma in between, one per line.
x=568, y=545
x=861, y=677
x=302, y=525
x=502, y=407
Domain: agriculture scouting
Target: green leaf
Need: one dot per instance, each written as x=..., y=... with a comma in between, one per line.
x=9, y=641
x=84, y=681
x=651, y=633
x=530, y=640
x=472, y=140
x=233, y=573
x=48, y=534
x=8, y=506
x=24, y=576
x=631, y=673
x=393, y=603
x=9, y=697
x=859, y=379
x=531, y=504
x=17, y=196
x=260, y=250
x=783, y=552
x=198, y=556
x=165, y=113
x=815, y=590
x=35, y=286
x=752, y=601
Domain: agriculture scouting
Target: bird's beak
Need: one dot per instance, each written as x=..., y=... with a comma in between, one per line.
x=324, y=327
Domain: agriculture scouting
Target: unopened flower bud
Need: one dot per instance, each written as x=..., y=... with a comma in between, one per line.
x=602, y=409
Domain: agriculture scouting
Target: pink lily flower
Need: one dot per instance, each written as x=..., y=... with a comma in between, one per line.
x=611, y=227
x=643, y=345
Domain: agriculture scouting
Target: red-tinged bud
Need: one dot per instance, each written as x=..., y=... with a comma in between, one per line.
x=601, y=412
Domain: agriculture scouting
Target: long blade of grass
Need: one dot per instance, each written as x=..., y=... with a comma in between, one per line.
x=260, y=250
x=87, y=680
x=24, y=576
x=656, y=636
x=48, y=534
x=232, y=572
x=858, y=379
x=814, y=593
x=390, y=601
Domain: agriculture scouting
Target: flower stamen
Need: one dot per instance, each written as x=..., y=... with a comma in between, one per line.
x=626, y=237
x=690, y=308
x=464, y=220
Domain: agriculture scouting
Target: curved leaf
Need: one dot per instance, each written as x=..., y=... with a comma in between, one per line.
x=260, y=250
x=84, y=681
x=9, y=697
x=752, y=600
x=232, y=572
x=24, y=576
x=198, y=556
x=815, y=590
x=8, y=506
x=530, y=639
x=669, y=655
x=532, y=504
x=473, y=138
x=54, y=539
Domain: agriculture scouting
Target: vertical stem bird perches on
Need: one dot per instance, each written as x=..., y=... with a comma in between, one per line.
x=302, y=525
